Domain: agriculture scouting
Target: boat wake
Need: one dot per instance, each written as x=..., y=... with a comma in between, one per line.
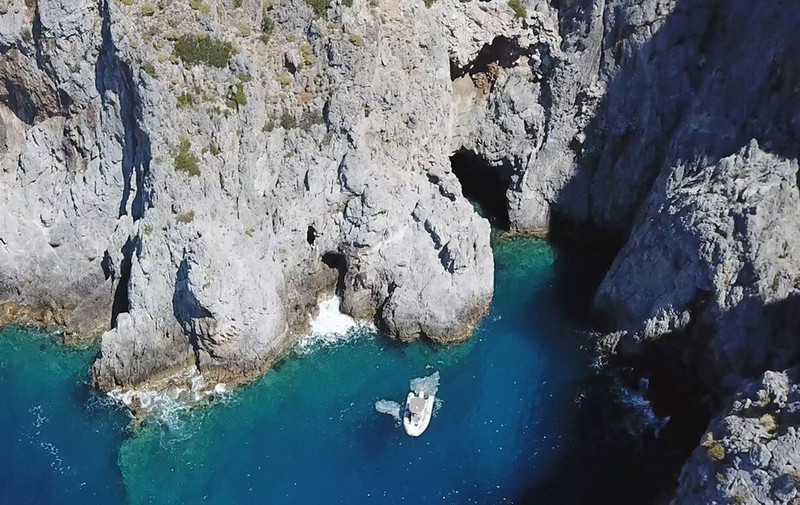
x=428, y=385
x=330, y=327
x=389, y=407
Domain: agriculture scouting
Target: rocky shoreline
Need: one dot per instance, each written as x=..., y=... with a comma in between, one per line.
x=184, y=180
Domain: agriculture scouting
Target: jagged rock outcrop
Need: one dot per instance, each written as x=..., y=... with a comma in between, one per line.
x=195, y=197
x=186, y=179
x=749, y=453
x=717, y=245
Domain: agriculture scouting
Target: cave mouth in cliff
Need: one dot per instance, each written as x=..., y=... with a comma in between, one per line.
x=338, y=262
x=501, y=51
x=484, y=185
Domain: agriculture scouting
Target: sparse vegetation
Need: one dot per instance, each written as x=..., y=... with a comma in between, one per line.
x=267, y=27
x=520, y=12
x=185, y=99
x=288, y=121
x=769, y=424
x=245, y=31
x=739, y=499
x=201, y=6
x=721, y=479
x=320, y=7
x=149, y=68
x=236, y=97
x=285, y=80
x=356, y=40
x=347, y=3
x=308, y=54
x=27, y=35
x=148, y=9
x=237, y=4
x=185, y=160
x=249, y=232
x=185, y=218
x=128, y=2
x=305, y=97
x=715, y=451
x=309, y=119
x=196, y=49
x=268, y=126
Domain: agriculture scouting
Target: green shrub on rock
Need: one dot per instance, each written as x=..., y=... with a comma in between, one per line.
x=236, y=97
x=185, y=160
x=320, y=7
x=715, y=451
x=185, y=218
x=195, y=49
x=520, y=12
x=149, y=68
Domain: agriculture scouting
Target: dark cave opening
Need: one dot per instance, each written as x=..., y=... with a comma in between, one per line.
x=484, y=185
x=338, y=262
x=121, y=302
x=311, y=235
x=502, y=51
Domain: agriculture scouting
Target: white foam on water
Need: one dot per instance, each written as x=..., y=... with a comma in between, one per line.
x=643, y=417
x=389, y=407
x=167, y=400
x=331, y=327
x=428, y=385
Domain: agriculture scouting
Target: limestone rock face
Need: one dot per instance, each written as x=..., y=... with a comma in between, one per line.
x=749, y=453
x=715, y=251
x=191, y=180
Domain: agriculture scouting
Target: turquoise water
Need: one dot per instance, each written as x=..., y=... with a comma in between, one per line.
x=511, y=417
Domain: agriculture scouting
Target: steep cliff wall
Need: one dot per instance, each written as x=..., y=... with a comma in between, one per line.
x=185, y=179
x=203, y=172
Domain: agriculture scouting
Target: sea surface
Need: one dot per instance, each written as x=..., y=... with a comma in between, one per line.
x=522, y=417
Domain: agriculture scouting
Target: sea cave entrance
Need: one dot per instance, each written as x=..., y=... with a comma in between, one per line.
x=484, y=185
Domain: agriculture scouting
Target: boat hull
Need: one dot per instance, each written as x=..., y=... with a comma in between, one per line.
x=417, y=426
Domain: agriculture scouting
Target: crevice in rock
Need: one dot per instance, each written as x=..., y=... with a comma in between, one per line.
x=115, y=76
x=188, y=310
x=484, y=185
x=311, y=235
x=20, y=101
x=338, y=262
x=121, y=303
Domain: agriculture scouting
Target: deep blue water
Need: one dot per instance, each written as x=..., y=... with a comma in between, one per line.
x=513, y=419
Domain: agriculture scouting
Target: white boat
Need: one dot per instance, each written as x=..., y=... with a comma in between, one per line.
x=418, y=413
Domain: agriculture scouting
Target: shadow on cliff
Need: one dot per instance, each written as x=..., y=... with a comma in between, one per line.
x=714, y=76
x=112, y=75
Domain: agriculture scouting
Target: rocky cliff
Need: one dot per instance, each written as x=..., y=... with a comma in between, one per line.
x=183, y=179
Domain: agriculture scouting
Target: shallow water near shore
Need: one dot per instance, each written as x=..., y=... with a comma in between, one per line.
x=511, y=419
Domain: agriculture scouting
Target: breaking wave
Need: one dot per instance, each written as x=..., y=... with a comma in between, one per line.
x=331, y=327
x=641, y=415
x=167, y=401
